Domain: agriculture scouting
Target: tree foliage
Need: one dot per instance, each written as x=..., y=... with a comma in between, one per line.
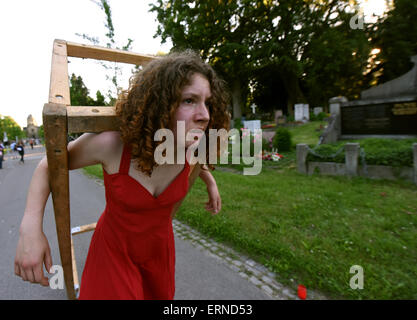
x=396, y=36
x=114, y=72
x=80, y=94
x=308, y=44
x=10, y=126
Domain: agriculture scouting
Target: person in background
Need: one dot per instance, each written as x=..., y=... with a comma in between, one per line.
x=1, y=154
x=21, y=149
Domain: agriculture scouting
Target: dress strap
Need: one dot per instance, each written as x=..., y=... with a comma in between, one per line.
x=125, y=161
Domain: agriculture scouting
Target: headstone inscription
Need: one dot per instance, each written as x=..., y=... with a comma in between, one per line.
x=384, y=118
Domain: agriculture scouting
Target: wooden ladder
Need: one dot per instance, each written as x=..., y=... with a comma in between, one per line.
x=60, y=119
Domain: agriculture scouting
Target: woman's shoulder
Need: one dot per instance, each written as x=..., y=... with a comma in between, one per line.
x=109, y=141
x=112, y=147
x=110, y=138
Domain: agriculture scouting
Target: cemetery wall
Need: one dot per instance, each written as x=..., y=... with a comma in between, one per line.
x=353, y=167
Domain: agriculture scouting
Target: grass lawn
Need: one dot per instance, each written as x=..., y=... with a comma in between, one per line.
x=307, y=133
x=313, y=229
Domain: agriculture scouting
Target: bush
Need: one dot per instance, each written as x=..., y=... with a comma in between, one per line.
x=266, y=145
x=237, y=123
x=282, y=140
x=388, y=152
x=326, y=151
x=319, y=117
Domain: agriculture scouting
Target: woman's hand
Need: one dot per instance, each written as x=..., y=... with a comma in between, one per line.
x=32, y=252
x=215, y=202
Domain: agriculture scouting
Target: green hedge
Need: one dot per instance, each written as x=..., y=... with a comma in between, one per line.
x=388, y=152
x=282, y=139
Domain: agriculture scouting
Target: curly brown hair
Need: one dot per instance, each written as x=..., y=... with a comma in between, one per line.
x=153, y=97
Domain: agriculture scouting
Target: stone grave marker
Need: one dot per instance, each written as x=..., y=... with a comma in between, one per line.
x=302, y=112
x=252, y=125
x=317, y=110
x=279, y=117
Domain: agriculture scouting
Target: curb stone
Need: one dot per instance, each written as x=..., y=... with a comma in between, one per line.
x=248, y=269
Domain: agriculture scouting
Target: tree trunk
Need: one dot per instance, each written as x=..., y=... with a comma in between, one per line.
x=236, y=99
x=292, y=86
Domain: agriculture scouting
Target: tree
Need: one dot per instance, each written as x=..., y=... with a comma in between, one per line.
x=113, y=68
x=334, y=61
x=41, y=132
x=245, y=39
x=395, y=36
x=213, y=29
x=9, y=126
x=79, y=94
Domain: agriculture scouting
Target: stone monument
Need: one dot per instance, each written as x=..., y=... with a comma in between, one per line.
x=388, y=110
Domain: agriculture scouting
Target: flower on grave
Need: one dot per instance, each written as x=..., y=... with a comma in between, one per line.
x=274, y=156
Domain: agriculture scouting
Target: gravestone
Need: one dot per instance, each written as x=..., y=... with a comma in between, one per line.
x=252, y=125
x=388, y=110
x=302, y=112
x=387, y=118
x=279, y=117
x=317, y=110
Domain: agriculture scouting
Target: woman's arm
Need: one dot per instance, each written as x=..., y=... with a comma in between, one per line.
x=214, y=204
x=33, y=248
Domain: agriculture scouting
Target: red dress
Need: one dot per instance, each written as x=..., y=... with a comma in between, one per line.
x=132, y=251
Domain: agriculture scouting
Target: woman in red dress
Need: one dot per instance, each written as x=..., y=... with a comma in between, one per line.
x=132, y=251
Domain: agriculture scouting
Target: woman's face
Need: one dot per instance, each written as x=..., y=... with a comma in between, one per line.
x=194, y=107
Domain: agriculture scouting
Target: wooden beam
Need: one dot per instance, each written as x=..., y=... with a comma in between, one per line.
x=101, y=53
x=55, y=130
x=74, y=270
x=92, y=119
x=59, y=86
x=84, y=228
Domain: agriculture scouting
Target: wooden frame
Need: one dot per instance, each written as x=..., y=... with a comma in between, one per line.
x=60, y=119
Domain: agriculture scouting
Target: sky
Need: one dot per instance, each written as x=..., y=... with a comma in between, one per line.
x=28, y=29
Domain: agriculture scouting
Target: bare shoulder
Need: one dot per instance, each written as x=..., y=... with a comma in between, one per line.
x=94, y=148
x=109, y=140
x=108, y=146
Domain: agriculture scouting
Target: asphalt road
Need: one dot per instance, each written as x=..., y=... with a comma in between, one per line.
x=198, y=275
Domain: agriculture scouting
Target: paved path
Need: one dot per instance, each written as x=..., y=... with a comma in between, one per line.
x=204, y=269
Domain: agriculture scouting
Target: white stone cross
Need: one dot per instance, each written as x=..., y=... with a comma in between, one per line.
x=253, y=108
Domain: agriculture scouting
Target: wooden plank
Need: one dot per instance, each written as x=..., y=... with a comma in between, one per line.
x=59, y=86
x=192, y=176
x=74, y=270
x=92, y=119
x=84, y=228
x=101, y=53
x=55, y=129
